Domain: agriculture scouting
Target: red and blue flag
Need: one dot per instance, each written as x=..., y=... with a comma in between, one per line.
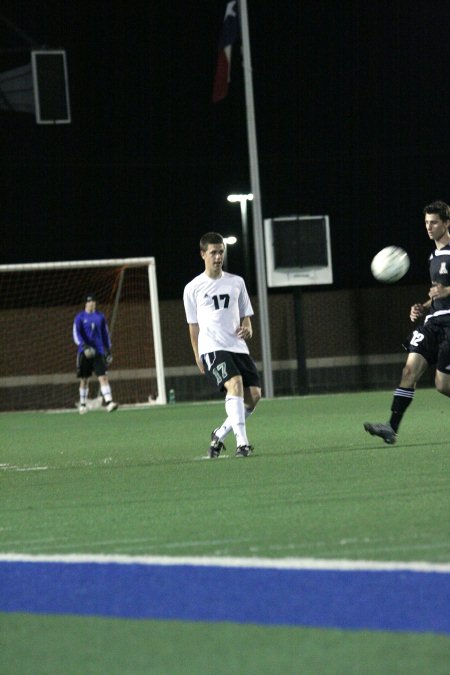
x=230, y=32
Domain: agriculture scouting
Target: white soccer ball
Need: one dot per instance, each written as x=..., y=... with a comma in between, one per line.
x=390, y=264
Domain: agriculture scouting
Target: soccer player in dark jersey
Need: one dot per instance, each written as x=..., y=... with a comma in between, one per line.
x=91, y=335
x=429, y=343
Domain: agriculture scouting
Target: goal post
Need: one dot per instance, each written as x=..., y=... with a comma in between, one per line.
x=38, y=303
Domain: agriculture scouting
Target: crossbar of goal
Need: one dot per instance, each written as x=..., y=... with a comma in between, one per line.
x=77, y=264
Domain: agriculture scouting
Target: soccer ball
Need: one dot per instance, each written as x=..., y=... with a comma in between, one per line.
x=89, y=352
x=390, y=264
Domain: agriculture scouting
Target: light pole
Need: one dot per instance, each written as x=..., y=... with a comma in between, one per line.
x=243, y=199
x=228, y=241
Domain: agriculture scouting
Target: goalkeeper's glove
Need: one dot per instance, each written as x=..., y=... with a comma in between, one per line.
x=108, y=358
x=89, y=352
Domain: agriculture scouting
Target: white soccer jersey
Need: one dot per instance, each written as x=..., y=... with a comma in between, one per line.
x=217, y=306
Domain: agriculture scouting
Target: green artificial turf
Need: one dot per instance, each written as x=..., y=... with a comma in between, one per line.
x=136, y=482
x=50, y=645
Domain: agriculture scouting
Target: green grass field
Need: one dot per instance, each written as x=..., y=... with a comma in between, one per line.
x=136, y=483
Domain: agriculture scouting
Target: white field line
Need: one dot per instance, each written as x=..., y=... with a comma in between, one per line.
x=209, y=561
x=123, y=544
x=13, y=467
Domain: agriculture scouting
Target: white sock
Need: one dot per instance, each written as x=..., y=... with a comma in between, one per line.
x=226, y=427
x=83, y=396
x=234, y=405
x=106, y=393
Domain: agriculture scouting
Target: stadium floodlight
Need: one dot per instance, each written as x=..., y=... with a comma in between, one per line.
x=242, y=199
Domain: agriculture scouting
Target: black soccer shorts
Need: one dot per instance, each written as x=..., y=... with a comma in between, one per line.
x=432, y=341
x=85, y=367
x=221, y=366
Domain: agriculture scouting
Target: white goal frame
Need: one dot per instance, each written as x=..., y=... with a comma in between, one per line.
x=153, y=293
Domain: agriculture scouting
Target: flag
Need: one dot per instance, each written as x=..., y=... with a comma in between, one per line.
x=229, y=34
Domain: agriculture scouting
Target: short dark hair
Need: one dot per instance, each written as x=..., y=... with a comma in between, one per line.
x=439, y=207
x=210, y=238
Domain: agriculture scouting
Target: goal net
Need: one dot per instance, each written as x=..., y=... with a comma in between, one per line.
x=38, y=303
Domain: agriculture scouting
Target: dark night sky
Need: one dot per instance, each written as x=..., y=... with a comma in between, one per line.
x=352, y=119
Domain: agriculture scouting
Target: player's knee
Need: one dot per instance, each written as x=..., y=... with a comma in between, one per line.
x=442, y=385
x=234, y=386
x=256, y=396
x=406, y=373
x=251, y=398
x=409, y=376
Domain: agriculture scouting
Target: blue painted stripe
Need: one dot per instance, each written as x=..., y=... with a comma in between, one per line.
x=372, y=600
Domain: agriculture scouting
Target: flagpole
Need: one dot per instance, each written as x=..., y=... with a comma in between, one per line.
x=256, y=210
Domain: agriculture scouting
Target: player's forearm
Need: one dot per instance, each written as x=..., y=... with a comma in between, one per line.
x=106, y=337
x=438, y=292
x=193, y=333
x=246, y=330
x=418, y=310
x=195, y=350
x=78, y=336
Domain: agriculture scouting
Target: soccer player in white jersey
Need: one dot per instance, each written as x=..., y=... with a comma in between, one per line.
x=91, y=335
x=218, y=311
x=429, y=343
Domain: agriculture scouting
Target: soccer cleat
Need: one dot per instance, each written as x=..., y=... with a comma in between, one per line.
x=216, y=446
x=244, y=451
x=112, y=406
x=82, y=409
x=384, y=431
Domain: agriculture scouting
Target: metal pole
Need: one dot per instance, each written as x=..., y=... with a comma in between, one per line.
x=257, y=213
x=243, y=204
x=157, y=340
x=302, y=371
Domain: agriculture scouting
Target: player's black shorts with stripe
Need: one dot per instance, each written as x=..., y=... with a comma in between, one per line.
x=85, y=367
x=221, y=366
x=432, y=341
